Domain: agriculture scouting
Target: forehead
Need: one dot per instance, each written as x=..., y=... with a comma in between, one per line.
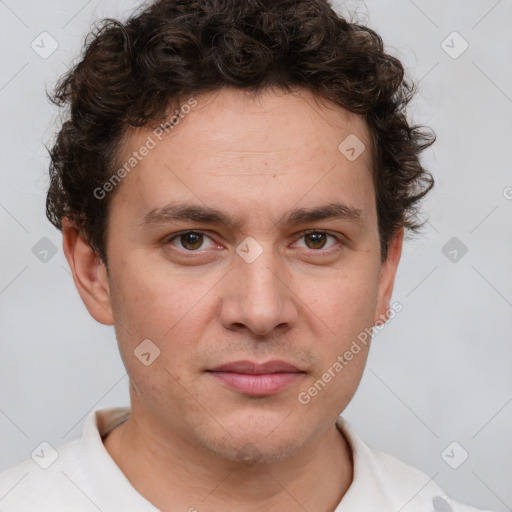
x=238, y=149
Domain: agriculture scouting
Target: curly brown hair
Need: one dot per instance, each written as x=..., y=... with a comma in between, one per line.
x=131, y=73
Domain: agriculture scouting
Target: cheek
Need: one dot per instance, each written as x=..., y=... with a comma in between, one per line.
x=346, y=302
x=346, y=307
x=151, y=302
x=171, y=309
x=147, y=307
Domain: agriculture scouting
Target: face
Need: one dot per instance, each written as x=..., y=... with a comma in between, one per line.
x=245, y=236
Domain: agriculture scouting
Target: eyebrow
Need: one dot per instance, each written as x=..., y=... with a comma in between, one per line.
x=205, y=215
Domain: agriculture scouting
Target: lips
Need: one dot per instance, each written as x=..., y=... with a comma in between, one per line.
x=257, y=379
x=257, y=368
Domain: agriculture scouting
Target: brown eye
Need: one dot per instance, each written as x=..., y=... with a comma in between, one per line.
x=316, y=240
x=191, y=241
x=321, y=242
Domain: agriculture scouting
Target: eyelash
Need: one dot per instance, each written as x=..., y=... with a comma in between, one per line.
x=302, y=234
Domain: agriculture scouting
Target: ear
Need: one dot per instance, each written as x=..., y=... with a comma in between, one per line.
x=89, y=274
x=387, y=277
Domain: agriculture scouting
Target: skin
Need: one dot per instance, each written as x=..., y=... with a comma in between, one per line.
x=301, y=301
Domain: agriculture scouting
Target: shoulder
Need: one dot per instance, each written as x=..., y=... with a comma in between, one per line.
x=405, y=480
x=40, y=482
x=79, y=475
x=384, y=481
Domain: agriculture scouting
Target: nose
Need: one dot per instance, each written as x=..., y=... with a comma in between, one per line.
x=257, y=296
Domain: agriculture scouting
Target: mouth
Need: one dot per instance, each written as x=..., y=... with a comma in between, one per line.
x=257, y=379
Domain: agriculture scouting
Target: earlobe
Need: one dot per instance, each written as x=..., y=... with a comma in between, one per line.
x=89, y=274
x=387, y=276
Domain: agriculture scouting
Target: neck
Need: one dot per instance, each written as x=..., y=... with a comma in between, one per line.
x=173, y=474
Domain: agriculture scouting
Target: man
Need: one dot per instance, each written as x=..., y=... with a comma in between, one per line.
x=233, y=184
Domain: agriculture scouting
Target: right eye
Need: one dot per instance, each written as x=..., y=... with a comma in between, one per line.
x=190, y=241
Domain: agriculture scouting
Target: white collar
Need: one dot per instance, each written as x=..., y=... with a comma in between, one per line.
x=381, y=482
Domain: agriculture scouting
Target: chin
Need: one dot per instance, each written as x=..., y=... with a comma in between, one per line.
x=262, y=439
x=251, y=451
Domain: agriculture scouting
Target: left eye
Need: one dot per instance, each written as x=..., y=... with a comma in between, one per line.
x=317, y=240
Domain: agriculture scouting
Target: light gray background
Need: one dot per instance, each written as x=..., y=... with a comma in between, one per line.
x=437, y=373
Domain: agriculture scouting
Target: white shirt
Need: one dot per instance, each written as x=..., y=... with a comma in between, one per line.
x=80, y=476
